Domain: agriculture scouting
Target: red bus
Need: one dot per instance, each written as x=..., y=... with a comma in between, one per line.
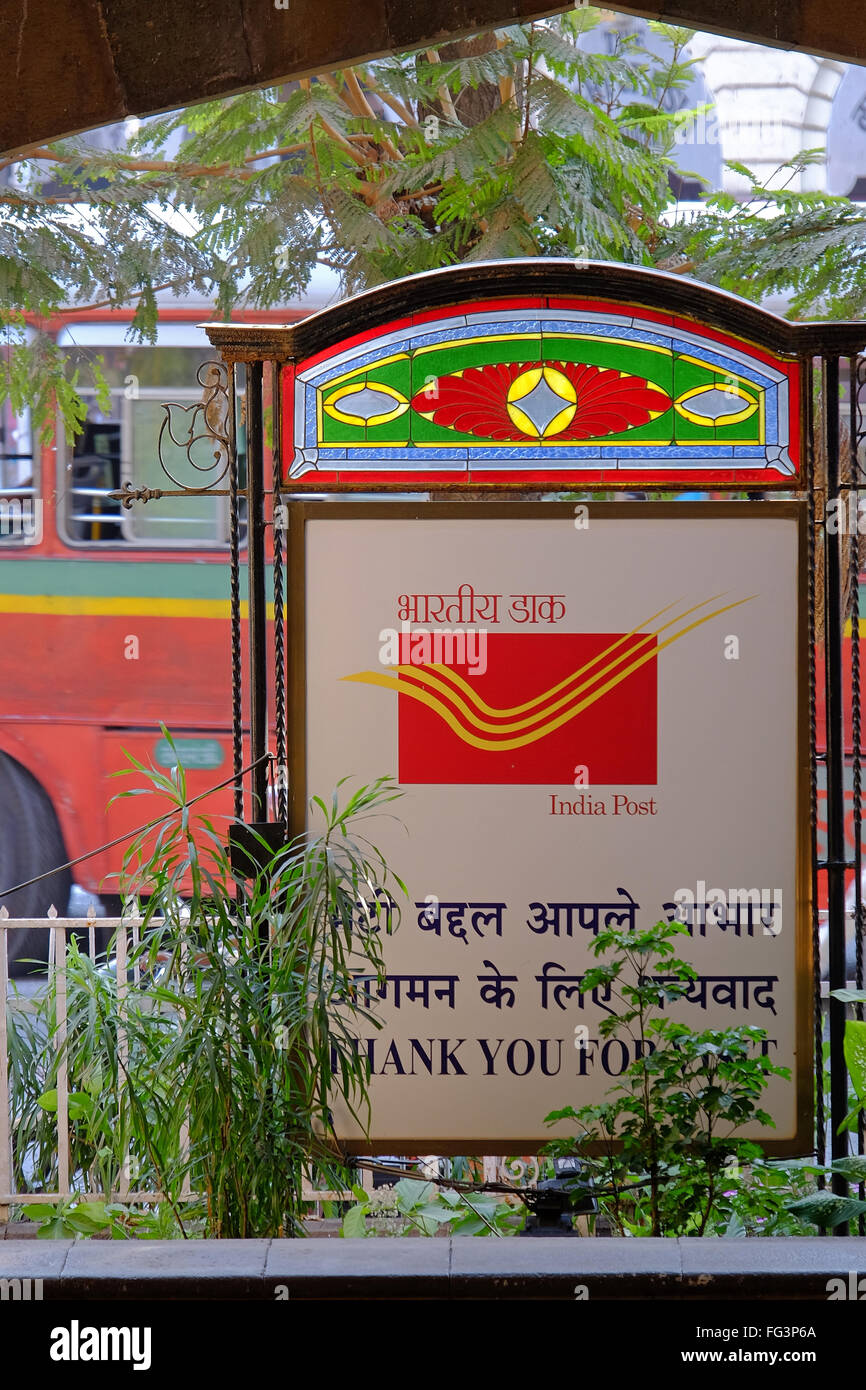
x=112, y=621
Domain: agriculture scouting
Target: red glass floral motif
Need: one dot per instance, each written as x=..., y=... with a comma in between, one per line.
x=595, y=401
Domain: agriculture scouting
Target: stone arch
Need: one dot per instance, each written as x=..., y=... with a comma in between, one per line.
x=771, y=104
x=828, y=76
x=846, y=137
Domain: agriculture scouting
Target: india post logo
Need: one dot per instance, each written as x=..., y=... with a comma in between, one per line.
x=542, y=704
x=530, y=717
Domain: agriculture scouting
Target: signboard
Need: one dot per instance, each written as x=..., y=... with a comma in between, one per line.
x=609, y=729
x=541, y=390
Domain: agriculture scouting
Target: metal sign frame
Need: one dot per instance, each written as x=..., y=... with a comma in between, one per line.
x=300, y=595
x=831, y=476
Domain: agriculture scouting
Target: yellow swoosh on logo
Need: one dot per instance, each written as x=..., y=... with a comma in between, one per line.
x=421, y=674
x=555, y=689
x=447, y=713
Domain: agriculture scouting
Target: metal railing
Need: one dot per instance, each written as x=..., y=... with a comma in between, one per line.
x=124, y=967
x=126, y=933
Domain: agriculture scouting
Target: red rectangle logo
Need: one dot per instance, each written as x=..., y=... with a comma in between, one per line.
x=538, y=708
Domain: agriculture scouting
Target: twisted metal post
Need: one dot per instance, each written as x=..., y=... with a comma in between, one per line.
x=282, y=798
x=812, y=525
x=836, y=851
x=235, y=605
x=256, y=567
x=857, y=433
x=854, y=579
x=858, y=444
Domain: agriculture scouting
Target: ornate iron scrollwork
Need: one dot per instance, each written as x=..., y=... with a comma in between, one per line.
x=518, y=1172
x=207, y=419
x=129, y=493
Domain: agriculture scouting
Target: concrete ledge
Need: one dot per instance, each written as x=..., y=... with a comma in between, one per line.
x=161, y=1269
x=792, y=1268
x=389, y=1267
x=550, y=1269
x=458, y=1268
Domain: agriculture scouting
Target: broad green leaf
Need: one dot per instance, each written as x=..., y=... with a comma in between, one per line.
x=88, y=1215
x=80, y=1105
x=438, y=1215
x=448, y=1195
x=853, y=1168
x=36, y=1211
x=825, y=1209
x=855, y=1056
x=470, y=1226
x=355, y=1222
x=410, y=1193
x=55, y=1229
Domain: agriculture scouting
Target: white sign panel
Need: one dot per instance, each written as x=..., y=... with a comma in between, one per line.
x=596, y=716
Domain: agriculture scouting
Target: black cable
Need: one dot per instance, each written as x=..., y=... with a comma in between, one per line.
x=150, y=825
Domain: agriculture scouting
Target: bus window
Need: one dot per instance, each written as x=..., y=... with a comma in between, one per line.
x=20, y=503
x=93, y=515
x=193, y=519
x=121, y=445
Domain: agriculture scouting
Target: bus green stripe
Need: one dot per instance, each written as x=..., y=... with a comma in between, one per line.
x=131, y=578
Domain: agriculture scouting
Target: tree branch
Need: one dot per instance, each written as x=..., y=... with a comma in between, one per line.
x=529, y=66
x=397, y=106
x=330, y=81
x=127, y=296
x=429, y=192
x=17, y=200
x=141, y=166
x=506, y=84
x=326, y=125
x=445, y=99
x=181, y=170
x=361, y=102
x=367, y=111
x=343, y=143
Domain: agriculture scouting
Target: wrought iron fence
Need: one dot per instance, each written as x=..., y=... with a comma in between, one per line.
x=22, y=996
